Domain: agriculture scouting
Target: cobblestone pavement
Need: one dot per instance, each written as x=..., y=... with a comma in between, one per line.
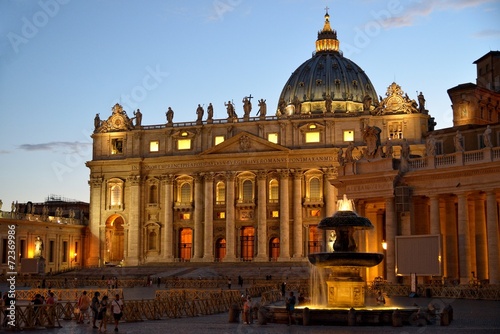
x=470, y=316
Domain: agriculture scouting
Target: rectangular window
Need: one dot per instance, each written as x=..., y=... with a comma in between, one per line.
x=184, y=144
x=312, y=137
x=154, y=146
x=275, y=214
x=218, y=140
x=395, y=130
x=315, y=213
x=116, y=146
x=51, y=250
x=348, y=135
x=221, y=215
x=64, y=251
x=272, y=137
x=185, y=216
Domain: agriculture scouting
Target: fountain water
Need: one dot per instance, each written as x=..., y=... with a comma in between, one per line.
x=345, y=286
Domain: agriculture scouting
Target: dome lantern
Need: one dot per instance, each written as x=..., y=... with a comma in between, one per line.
x=327, y=38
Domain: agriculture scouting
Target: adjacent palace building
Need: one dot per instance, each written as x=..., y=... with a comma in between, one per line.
x=254, y=187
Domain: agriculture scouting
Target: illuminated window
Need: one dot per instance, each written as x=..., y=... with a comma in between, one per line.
x=185, y=216
x=315, y=213
x=221, y=215
x=184, y=144
x=220, y=196
x=312, y=137
x=154, y=146
x=348, y=135
x=218, y=140
x=273, y=191
x=395, y=130
x=275, y=214
x=116, y=146
x=272, y=137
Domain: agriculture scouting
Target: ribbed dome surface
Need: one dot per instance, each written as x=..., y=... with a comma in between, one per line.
x=328, y=75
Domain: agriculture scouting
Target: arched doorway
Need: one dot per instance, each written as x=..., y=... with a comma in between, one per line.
x=274, y=248
x=114, y=249
x=220, y=249
x=185, y=244
x=247, y=239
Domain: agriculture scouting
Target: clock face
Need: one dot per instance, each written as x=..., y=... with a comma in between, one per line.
x=117, y=122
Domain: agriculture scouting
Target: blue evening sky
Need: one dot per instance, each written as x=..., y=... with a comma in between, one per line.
x=63, y=61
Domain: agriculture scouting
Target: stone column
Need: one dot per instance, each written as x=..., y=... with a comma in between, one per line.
x=434, y=214
x=198, y=216
x=450, y=238
x=329, y=192
x=135, y=232
x=208, y=251
x=97, y=199
x=390, y=235
x=493, y=242
x=297, y=215
x=284, y=217
x=480, y=237
x=168, y=221
x=262, y=255
x=230, y=217
x=463, y=239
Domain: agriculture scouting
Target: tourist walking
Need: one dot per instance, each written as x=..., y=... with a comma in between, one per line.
x=83, y=305
x=103, y=314
x=290, y=306
x=117, y=310
x=95, y=308
x=229, y=283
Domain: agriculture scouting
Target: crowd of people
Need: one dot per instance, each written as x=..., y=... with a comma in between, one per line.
x=100, y=309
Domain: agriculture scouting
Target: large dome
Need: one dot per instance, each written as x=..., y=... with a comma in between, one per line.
x=328, y=82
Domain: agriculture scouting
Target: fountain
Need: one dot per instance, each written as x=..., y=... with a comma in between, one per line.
x=346, y=287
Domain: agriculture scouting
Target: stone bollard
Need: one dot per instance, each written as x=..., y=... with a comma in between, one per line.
x=446, y=316
x=397, y=320
x=234, y=313
x=306, y=316
x=262, y=316
x=351, y=317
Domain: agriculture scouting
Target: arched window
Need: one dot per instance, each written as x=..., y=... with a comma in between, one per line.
x=273, y=191
x=152, y=240
x=247, y=191
x=315, y=189
x=220, y=195
x=153, y=194
x=186, y=193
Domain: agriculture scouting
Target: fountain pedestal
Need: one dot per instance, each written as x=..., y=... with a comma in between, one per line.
x=345, y=288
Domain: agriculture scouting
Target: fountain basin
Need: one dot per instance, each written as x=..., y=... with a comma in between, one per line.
x=345, y=259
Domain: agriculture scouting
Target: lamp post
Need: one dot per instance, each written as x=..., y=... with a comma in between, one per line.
x=384, y=247
x=74, y=258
